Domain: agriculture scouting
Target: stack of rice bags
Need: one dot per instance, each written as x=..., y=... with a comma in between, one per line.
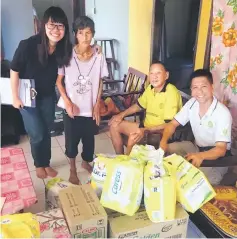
x=121, y=180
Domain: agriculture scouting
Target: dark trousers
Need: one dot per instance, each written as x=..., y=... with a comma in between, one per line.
x=38, y=122
x=79, y=128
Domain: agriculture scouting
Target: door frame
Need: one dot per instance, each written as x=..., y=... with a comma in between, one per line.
x=79, y=8
x=203, y=40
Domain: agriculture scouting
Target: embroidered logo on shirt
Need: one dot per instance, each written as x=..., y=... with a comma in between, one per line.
x=161, y=105
x=210, y=124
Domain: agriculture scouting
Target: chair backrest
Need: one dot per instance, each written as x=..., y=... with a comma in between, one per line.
x=134, y=81
x=185, y=97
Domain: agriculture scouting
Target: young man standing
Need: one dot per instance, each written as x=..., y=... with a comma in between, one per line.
x=161, y=101
x=211, y=125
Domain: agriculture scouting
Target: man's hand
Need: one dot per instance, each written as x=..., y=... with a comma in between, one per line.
x=116, y=119
x=196, y=158
x=17, y=103
x=164, y=145
x=71, y=109
x=96, y=113
x=98, y=48
x=136, y=136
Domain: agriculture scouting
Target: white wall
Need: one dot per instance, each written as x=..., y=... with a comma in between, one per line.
x=17, y=24
x=67, y=5
x=111, y=21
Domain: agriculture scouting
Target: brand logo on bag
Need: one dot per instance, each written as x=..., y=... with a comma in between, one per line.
x=117, y=182
x=97, y=172
x=176, y=236
x=130, y=234
x=166, y=228
x=89, y=230
x=156, y=235
x=6, y=221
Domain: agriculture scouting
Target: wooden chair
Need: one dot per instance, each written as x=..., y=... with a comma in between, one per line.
x=112, y=64
x=132, y=86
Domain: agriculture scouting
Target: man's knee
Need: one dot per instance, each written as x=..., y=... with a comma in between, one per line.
x=121, y=128
x=114, y=128
x=181, y=148
x=214, y=175
x=173, y=148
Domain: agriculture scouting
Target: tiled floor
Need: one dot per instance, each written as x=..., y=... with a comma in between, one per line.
x=60, y=162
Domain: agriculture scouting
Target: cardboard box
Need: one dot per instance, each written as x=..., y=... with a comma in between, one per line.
x=52, y=190
x=53, y=224
x=84, y=214
x=139, y=226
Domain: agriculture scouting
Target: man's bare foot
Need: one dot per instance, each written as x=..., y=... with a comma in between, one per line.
x=51, y=172
x=74, y=178
x=41, y=173
x=86, y=166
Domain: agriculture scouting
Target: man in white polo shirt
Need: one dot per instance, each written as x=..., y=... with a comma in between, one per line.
x=211, y=125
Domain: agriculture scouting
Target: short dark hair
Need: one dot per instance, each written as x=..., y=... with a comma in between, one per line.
x=160, y=63
x=202, y=73
x=63, y=49
x=82, y=23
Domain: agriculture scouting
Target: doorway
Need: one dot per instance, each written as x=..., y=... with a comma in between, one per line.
x=174, y=38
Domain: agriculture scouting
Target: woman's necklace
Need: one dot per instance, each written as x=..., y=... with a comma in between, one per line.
x=82, y=77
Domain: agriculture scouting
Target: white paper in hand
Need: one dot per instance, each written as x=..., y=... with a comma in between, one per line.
x=27, y=92
x=61, y=103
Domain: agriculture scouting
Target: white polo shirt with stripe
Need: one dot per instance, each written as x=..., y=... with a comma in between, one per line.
x=214, y=126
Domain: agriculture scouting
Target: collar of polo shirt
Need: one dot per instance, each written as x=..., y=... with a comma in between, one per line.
x=163, y=89
x=211, y=108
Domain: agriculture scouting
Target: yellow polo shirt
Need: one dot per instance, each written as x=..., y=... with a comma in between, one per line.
x=160, y=106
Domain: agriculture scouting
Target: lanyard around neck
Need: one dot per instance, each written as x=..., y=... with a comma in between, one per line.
x=77, y=63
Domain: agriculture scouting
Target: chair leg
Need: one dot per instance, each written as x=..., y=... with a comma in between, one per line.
x=109, y=64
x=135, y=118
x=112, y=52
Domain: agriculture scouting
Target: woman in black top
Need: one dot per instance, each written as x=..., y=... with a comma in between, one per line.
x=38, y=58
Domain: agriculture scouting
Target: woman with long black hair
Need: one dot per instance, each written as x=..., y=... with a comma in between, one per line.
x=38, y=58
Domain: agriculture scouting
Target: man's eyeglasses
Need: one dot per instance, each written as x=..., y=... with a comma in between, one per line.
x=51, y=26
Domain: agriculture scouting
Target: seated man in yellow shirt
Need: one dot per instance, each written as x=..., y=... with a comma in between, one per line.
x=161, y=101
